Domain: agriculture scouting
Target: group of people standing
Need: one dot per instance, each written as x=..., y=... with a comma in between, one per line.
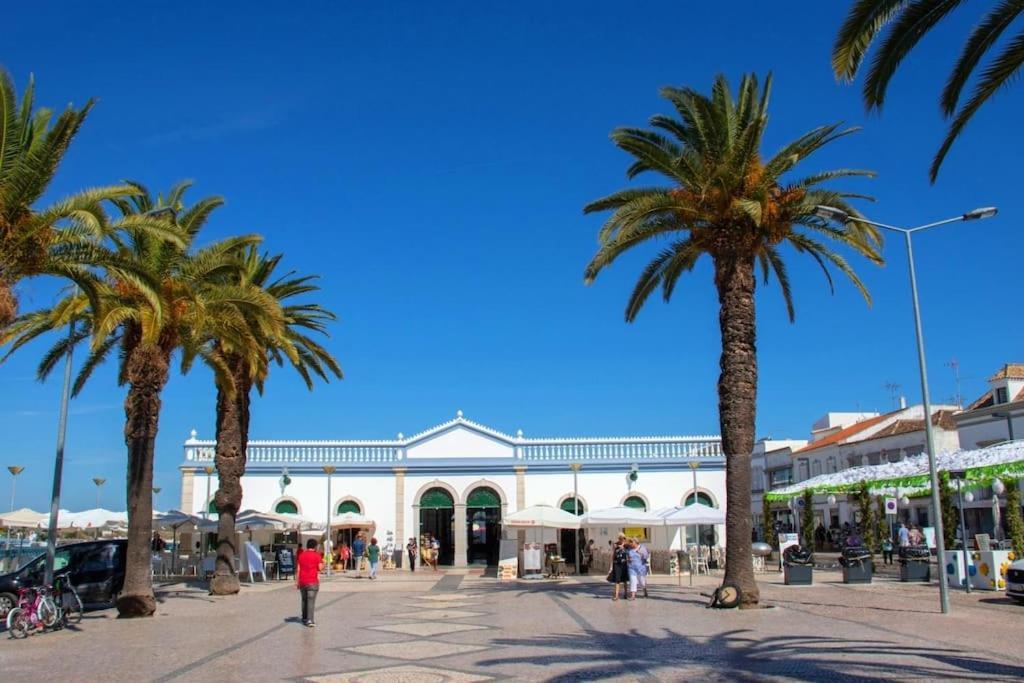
x=630, y=566
x=428, y=550
x=356, y=556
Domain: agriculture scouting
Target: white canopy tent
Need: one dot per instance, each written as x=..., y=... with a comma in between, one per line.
x=620, y=516
x=22, y=519
x=695, y=514
x=541, y=516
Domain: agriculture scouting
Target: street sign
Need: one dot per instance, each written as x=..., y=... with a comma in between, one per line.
x=890, y=506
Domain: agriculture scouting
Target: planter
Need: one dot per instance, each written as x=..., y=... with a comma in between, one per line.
x=916, y=571
x=992, y=566
x=953, y=568
x=798, y=575
x=858, y=573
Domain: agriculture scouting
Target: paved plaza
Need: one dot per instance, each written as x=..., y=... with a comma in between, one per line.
x=464, y=627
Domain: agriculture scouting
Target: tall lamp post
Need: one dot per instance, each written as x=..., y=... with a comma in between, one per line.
x=840, y=216
x=156, y=492
x=15, y=470
x=1009, y=424
x=576, y=467
x=209, y=469
x=329, y=470
x=99, y=481
x=960, y=475
x=694, y=465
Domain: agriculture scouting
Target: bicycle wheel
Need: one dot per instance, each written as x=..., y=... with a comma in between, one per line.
x=18, y=624
x=47, y=611
x=72, y=606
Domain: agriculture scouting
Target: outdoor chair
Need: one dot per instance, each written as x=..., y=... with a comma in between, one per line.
x=699, y=560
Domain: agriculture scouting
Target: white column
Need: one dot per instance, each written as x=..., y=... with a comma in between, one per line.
x=459, y=529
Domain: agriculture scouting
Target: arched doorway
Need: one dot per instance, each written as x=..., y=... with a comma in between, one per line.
x=348, y=534
x=483, y=526
x=704, y=532
x=286, y=507
x=568, y=536
x=437, y=514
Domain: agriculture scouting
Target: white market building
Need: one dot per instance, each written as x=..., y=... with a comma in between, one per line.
x=459, y=479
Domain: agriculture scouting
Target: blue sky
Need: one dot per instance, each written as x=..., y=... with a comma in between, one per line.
x=431, y=162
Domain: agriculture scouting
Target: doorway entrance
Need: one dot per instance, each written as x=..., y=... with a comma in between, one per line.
x=437, y=515
x=572, y=541
x=483, y=526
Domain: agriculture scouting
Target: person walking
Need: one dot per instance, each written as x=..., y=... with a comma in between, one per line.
x=307, y=580
x=887, y=550
x=904, y=535
x=645, y=566
x=915, y=537
x=373, y=555
x=819, y=537
x=619, y=574
x=345, y=553
x=634, y=565
x=358, y=549
x=435, y=551
x=410, y=550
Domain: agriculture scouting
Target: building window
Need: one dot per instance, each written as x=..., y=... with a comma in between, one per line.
x=831, y=464
x=569, y=505
x=212, y=508
x=635, y=502
x=874, y=458
x=1002, y=395
x=483, y=498
x=437, y=499
x=702, y=498
x=286, y=507
x=348, y=506
x=816, y=468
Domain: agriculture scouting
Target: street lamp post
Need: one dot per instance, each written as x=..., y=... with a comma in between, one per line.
x=1009, y=426
x=15, y=470
x=99, y=481
x=959, y=476
x=576, y=467
x=694, y=465
x=840, y=216
x=156, y=492
x=329, y=470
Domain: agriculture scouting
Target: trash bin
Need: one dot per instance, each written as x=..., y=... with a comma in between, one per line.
x=915, y=563
x=856, y=563
x=798, y=566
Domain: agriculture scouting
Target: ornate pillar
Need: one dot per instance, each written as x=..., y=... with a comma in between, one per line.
x=520, y=499
x=459, y=529
x=188, y=482
x=400, y=537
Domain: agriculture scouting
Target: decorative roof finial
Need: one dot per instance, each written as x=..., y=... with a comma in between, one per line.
x=458, y=414
x=193, y=434
x=401, y=436
x=519, y=433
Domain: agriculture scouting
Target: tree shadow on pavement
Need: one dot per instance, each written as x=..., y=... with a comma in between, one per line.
x=744, y=655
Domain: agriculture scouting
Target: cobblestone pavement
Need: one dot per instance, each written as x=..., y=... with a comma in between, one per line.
x=468, y=628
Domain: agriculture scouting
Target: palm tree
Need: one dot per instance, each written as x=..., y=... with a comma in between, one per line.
x=191, y=304
x=247, y=369
x=723, y=201
x=60, y=239
x=910, y=21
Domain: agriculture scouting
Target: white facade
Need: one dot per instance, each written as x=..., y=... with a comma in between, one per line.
x=388, y=480
x=998, y=414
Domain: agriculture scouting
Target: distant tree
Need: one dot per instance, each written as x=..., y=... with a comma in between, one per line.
x=1014, y=522
x=905, y=23
x=868, y=519
x=725, y=201
x=768, y=524
x=807, y=520
x=949, y=521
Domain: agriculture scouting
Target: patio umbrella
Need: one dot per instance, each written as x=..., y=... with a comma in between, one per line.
x=541, y=516
x=692, y=515
x=19, y=519
x=997, y=528
x=174, y=520
x=620, y=516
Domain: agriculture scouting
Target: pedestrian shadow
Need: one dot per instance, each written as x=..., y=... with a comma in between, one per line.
x=742, y=655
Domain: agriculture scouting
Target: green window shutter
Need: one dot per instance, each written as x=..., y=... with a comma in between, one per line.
x=483, y=498
x=436, y=499
x=212, y=508
x=635, y=502
x=286, y=507
x=569, y=506
x=702, y=498
x=348, y=506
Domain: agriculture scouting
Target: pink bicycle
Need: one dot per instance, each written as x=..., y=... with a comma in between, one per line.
x=35, y=610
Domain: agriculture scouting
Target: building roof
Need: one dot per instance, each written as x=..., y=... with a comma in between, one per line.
x=941, y=418
x=1009, y=371
x=844, y=434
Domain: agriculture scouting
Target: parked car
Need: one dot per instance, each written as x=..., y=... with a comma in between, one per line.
x=96, y=569
x=1015, y=581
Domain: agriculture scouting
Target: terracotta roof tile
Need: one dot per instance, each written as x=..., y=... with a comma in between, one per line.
x=941, y=418
x=843, y=434
x=1009, y=371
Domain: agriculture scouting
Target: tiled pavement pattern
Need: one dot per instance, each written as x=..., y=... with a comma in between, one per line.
x=404, y=628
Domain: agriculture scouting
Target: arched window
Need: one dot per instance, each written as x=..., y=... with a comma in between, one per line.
x=702, y=498
x=212, y=508
x=286, y=507
x=483, y=497
x=436, y=499
x=569, y=505
x=348, y=506
x=635, y=502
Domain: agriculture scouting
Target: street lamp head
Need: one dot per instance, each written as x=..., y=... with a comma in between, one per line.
x=831, y=213
x=209, y=469
x=983, y=212
x=831, y=499
x=15, y=470
x=99, y=481
x=694, y=464
x=330, y=469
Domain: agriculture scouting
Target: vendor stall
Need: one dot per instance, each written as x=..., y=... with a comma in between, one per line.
x=531, y=557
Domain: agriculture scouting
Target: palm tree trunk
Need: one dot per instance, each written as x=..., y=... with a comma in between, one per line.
x=232, y=439
x=147, y=373
x=737, y=402
x=8, y=305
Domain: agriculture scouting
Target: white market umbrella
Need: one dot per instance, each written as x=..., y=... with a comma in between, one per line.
x=541, y=516
x=997, y=529
x=96, y=518
x=621, y=515
x=174, y=520
x=352, y=520
x=22, y=519
x=698, y=513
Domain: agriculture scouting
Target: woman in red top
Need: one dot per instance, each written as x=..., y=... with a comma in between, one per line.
x=307, y=580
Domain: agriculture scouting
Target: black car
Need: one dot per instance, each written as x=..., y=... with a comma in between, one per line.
x=96, y=569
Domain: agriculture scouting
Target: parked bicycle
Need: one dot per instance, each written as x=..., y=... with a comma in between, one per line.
x=43, y=607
